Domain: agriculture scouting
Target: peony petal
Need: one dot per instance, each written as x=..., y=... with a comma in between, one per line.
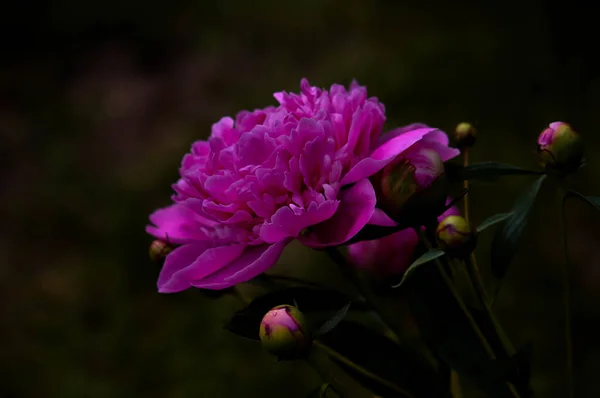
x=356, y=208
x=254, y=261
x=169, y=281
x=438, y=141
x=178, y=224
x=386, y=256
x=287, y=223
x=380, y=218
x=384, y=155
x=400, y=130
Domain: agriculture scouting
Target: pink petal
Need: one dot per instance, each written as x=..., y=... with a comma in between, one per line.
x=170, y=280
x=388, y=255
x=384, y=155
x=380, y=218
x=181, y=272
x=401, y=130
x=356, y=208
x=254, y=261
x=177, y=224
x=287, y=223
x=438, y=141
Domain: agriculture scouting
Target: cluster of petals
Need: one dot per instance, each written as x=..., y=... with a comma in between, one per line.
x=299, y=170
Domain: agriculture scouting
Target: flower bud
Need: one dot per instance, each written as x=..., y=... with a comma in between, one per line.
x=411, y=186
x=454, y=235
x=283, y=332
x=465, y=135
x=159, y=250
x=560, y=148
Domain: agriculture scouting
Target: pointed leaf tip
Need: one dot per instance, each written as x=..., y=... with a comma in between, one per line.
x=507, y=239
x=425, y=258
x=492, y=220
x=333, y=321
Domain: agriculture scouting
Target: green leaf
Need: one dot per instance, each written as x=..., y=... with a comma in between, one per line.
x=507, y=238
x=333, y=321
x=246, y=322
x=447, y=331
x=401, y=365
x=485, y=171
x=492, y=220
x=425, y=258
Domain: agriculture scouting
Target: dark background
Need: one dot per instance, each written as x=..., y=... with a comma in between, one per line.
x=100, y=100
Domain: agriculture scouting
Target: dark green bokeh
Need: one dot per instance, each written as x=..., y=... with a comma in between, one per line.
x=102, y=99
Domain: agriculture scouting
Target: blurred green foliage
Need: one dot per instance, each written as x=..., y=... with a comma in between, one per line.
x=100, y=100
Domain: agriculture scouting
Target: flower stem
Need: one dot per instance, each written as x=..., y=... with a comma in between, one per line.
x=484, y=298
x=359, y=369
x=394, y=328
x=567, y=301
x=484, y=342
x=333, y=374
x=465, y=156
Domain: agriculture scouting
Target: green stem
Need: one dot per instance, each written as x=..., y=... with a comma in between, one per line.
x=567, y=302
x=483, y=296
x=394, y=327
x=486, y=345
x=465, y=156
x=359, y=369
x=341, y=382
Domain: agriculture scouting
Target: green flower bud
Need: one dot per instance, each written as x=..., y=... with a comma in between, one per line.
x=159, y=250
x=283, y=332
x=465, y=135
x=454, y=235
x=560, y=148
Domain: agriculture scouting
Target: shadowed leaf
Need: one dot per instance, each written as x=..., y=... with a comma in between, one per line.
x=506, y=239
x=492, y=220
x=425, y=258
x=333, y=321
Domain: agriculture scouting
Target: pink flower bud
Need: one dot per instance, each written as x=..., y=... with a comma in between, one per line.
x=560, y=148
x=283, y=332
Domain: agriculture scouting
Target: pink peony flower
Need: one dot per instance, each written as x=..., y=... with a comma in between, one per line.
x=393, y=254
x=296, y=171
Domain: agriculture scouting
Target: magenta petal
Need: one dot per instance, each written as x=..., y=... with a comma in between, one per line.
x=380, y=218
x=254, y=261
x=286, y=223
x=177, y=224
x=357, y=205
x=169, y=280
x=400, y=130
x=433, y=142
x=384, y=155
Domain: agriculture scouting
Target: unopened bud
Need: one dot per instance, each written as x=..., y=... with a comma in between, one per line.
x=560, y=148
x=454, y=235
x=159, y=250
x=465, y=135
x=283, y=332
